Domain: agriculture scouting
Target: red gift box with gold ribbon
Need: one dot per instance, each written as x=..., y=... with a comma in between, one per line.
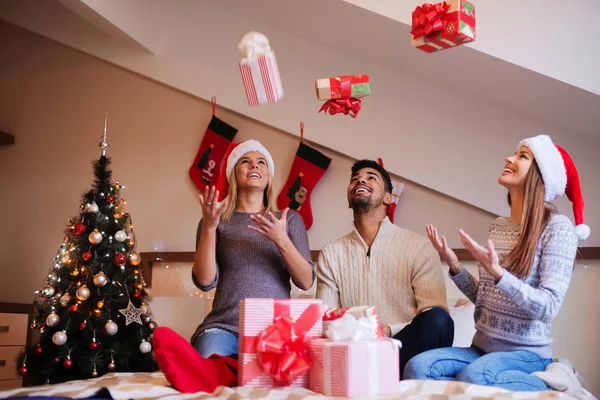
x=274, y=341
x=443, y=25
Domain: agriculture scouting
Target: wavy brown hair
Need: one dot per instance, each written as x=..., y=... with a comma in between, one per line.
x=536, y=214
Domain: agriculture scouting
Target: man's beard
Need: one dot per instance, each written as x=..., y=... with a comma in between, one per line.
x=364, y=204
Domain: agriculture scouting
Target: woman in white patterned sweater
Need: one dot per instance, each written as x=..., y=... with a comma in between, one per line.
x=524, y=272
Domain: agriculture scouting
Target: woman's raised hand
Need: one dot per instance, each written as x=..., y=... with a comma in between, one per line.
x=442, y=247
x=211, y=208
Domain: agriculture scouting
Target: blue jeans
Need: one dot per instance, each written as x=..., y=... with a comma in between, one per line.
x=508, y=370
x=216, y=341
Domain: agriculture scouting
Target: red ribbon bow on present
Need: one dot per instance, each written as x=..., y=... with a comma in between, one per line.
x=349, y=106
x=429, y=19
x=282, y=353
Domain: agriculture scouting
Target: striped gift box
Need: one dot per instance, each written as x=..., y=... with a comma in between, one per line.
x=256, y=315
x=261, y=78
x=353, y=369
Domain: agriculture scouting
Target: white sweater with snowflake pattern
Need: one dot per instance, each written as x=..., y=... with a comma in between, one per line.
x=517, y=314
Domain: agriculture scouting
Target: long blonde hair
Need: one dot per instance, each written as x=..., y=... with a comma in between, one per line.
x=269, y=204
x=536, y=214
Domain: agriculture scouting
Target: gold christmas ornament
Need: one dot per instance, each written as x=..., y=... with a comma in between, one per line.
x=135, y=259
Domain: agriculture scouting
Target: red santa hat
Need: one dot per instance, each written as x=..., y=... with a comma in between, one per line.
x=234, y=152
x=560, y=176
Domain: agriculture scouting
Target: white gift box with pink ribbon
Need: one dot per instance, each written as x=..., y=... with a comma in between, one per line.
x=357, y=362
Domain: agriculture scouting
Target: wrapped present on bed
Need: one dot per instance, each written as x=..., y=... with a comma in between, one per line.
x=444, y=25
x=274, y=341
x=260, y=73
x=355, y=360
x=362, y=315
x=343, y=93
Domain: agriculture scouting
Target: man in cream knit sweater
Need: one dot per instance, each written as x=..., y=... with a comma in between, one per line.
x=380, y=264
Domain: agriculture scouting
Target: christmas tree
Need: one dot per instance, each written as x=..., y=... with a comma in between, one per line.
x=92, y=315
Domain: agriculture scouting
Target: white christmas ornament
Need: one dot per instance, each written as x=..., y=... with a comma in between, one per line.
x=121, y=236
x=52, y=319
x=83, y=293
x=59, y=338
x=50, y=291
x=100, y=279
x=145, y=309
x=111, y=328
x=95, y=237
x=145, y=347
x=65, y=300
x=91, y=207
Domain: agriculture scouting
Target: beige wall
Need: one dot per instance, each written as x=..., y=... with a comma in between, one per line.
x=53, y=100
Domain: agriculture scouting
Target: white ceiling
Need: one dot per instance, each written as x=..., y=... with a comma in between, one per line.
x=386, y=42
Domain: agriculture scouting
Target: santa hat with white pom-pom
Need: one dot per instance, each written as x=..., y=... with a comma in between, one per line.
x=560, y=176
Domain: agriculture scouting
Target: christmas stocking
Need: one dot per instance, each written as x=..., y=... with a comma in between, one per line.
x=206, y=168
x=187, y=370
x=397, y=188
x=308, y=168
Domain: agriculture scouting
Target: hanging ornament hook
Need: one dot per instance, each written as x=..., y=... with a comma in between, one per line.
x=104, y=143
x=302, y=132
x=214, y=104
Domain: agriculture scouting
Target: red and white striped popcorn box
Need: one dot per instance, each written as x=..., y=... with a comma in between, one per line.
x=256, y=315
x=261, y=79
x=351, y=369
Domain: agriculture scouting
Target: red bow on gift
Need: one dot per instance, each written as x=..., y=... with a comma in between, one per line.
x=428, y=19
x=282, y=353
x=349, y=106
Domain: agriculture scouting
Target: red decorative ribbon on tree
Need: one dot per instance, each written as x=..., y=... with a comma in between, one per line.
x=428, y=19
x=282, y=353
x=349, y=106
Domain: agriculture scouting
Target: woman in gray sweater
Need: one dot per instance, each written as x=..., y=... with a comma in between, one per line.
x=524, y=271
x=245, y=248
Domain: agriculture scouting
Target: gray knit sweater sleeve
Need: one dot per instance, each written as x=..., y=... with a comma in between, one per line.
x=556, y=255
x=213, y=284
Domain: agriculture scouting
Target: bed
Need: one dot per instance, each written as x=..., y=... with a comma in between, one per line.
x=155, y=386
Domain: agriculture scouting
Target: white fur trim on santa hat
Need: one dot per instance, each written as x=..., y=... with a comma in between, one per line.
x=551, y=163
x=247, y=147
x=582, y=231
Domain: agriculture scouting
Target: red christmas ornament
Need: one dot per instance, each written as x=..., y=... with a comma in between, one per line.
x=120, y=259
x=110, y=199
x=87, y=256
x=38, y=350
x=67, y=363
x=23, y=370
x=94, y=346
x=79, y=229
x=82, y=325
x=74, y=308
x=137, y=294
